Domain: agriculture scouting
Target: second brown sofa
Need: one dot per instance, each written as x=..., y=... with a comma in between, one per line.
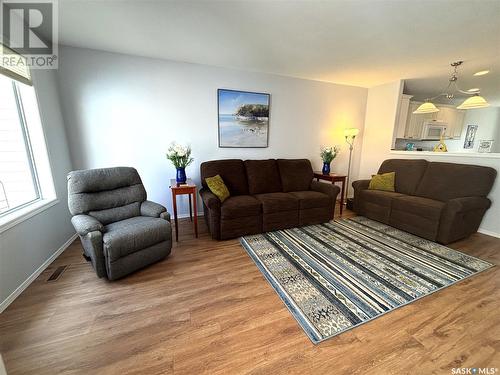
x=442, y=202
x=266, y=195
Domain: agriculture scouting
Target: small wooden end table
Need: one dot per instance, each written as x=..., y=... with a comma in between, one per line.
x=333, y=178
x=188, y=188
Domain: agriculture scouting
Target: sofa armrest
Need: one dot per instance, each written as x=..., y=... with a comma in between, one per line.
x=329, y=189
x=465, y=204
x=360, y=184
x=210, y=200
x=85, y=224
x=461, y=217
x=152, y=209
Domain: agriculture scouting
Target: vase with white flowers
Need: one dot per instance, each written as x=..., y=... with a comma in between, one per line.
x=327, y=155
x=180, y=156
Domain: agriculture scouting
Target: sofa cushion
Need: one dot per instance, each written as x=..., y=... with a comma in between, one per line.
x=296, y=174
x=312, y=199
x=278, y=202
x=421, y=207
x=379, y=197
x=263, y=176
x=444, y=181
x=232, y=172
x=118, y=213
x=240, y=206
x=128, y=236
x=417, y=215
x=408, y=173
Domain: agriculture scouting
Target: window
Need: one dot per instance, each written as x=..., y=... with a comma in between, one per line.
x=25, y=178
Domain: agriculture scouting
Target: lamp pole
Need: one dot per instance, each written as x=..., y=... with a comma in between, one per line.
x=350, y=141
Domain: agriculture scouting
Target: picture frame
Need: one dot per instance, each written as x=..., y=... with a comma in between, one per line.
x=470, y=136
x=485, y=146
x=243, y=118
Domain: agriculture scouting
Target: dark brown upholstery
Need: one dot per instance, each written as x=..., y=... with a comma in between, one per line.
x=409, y=173
x=263, y=176
x=240, y=206
x=442, y=202
x=444, y=181
x=378, y=203
x=232, y=172
x=277, y=194
x=277, y=202
x=311, y=199
x=296, y=174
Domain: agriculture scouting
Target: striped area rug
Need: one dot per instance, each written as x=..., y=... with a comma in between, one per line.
x=335, y=276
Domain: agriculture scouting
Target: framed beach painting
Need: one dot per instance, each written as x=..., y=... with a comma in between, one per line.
x=243, y=118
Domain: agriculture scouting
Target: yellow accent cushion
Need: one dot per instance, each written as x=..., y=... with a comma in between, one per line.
x=217, y=186
x=383, y=182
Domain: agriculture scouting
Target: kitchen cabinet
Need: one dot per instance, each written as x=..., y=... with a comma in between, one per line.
x=448, y=114
x=415, y=122
x=402, y=116
x=454, y=118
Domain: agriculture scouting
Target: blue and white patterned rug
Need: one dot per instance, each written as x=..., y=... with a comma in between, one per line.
x=335, y=276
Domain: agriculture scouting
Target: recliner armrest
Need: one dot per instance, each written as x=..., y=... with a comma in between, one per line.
x=85, y=224
x=329, y=189
x=465, y=204
x=361, y=184
x=210, y=199
x=152, y=209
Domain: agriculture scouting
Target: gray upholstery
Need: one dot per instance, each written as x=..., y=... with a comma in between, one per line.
x=119, y=229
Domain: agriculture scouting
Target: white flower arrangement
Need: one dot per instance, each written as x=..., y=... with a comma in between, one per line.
x=329, y=153
x=179, y=155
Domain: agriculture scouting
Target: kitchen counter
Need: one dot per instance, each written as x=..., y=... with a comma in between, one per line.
x=492, y=155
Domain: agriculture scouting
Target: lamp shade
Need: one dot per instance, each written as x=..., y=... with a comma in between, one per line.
x=351, y=132
x=475, y=101
x=426, y=107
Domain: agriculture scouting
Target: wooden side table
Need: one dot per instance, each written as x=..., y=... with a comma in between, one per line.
x=188, y=188
x=333, y=178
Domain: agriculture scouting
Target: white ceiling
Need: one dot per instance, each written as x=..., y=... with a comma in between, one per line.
x=361, y=43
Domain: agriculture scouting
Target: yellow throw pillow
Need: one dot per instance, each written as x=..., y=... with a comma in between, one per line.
x=217, y=186
x=383, y=182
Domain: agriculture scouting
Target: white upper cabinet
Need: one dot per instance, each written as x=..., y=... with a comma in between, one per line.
x=413, y=125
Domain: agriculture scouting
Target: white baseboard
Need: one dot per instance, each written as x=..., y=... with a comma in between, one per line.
x=183, y=216
x=489, y=232
x=5, y=303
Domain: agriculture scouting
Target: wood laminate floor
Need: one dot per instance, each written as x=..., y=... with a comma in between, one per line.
x=208, y=309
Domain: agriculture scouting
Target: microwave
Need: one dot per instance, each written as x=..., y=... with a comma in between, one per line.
x=433, y=130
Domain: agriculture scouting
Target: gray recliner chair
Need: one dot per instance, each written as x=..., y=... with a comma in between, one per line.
x=120, y=230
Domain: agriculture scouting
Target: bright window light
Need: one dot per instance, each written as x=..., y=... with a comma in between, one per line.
x=25, y=176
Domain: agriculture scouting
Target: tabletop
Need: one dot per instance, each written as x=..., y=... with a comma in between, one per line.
x=175, y=185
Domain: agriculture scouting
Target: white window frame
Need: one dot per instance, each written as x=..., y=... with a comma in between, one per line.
x=45, y=195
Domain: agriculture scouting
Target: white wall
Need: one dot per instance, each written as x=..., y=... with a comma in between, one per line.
x=488, y=122
x=380, y=118
x=28, y=245
x=125, y=110
x=379, y=125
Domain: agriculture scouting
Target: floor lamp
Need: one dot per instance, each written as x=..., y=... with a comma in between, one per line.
x=350, y=134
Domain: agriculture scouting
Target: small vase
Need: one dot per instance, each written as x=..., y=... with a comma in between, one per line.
x=181, y=175
x=326, y=168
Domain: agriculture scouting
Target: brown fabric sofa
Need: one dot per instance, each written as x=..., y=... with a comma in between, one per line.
x=266, y=195
x=442, y=202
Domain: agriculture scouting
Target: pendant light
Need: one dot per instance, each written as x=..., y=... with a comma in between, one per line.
x=426, y=107
x=475, y=101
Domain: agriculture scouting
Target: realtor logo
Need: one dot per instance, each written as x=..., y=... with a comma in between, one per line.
x=29, y=28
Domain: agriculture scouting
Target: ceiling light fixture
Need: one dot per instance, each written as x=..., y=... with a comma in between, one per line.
x=473, y=90
x=481, y=73
x=476, y=101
